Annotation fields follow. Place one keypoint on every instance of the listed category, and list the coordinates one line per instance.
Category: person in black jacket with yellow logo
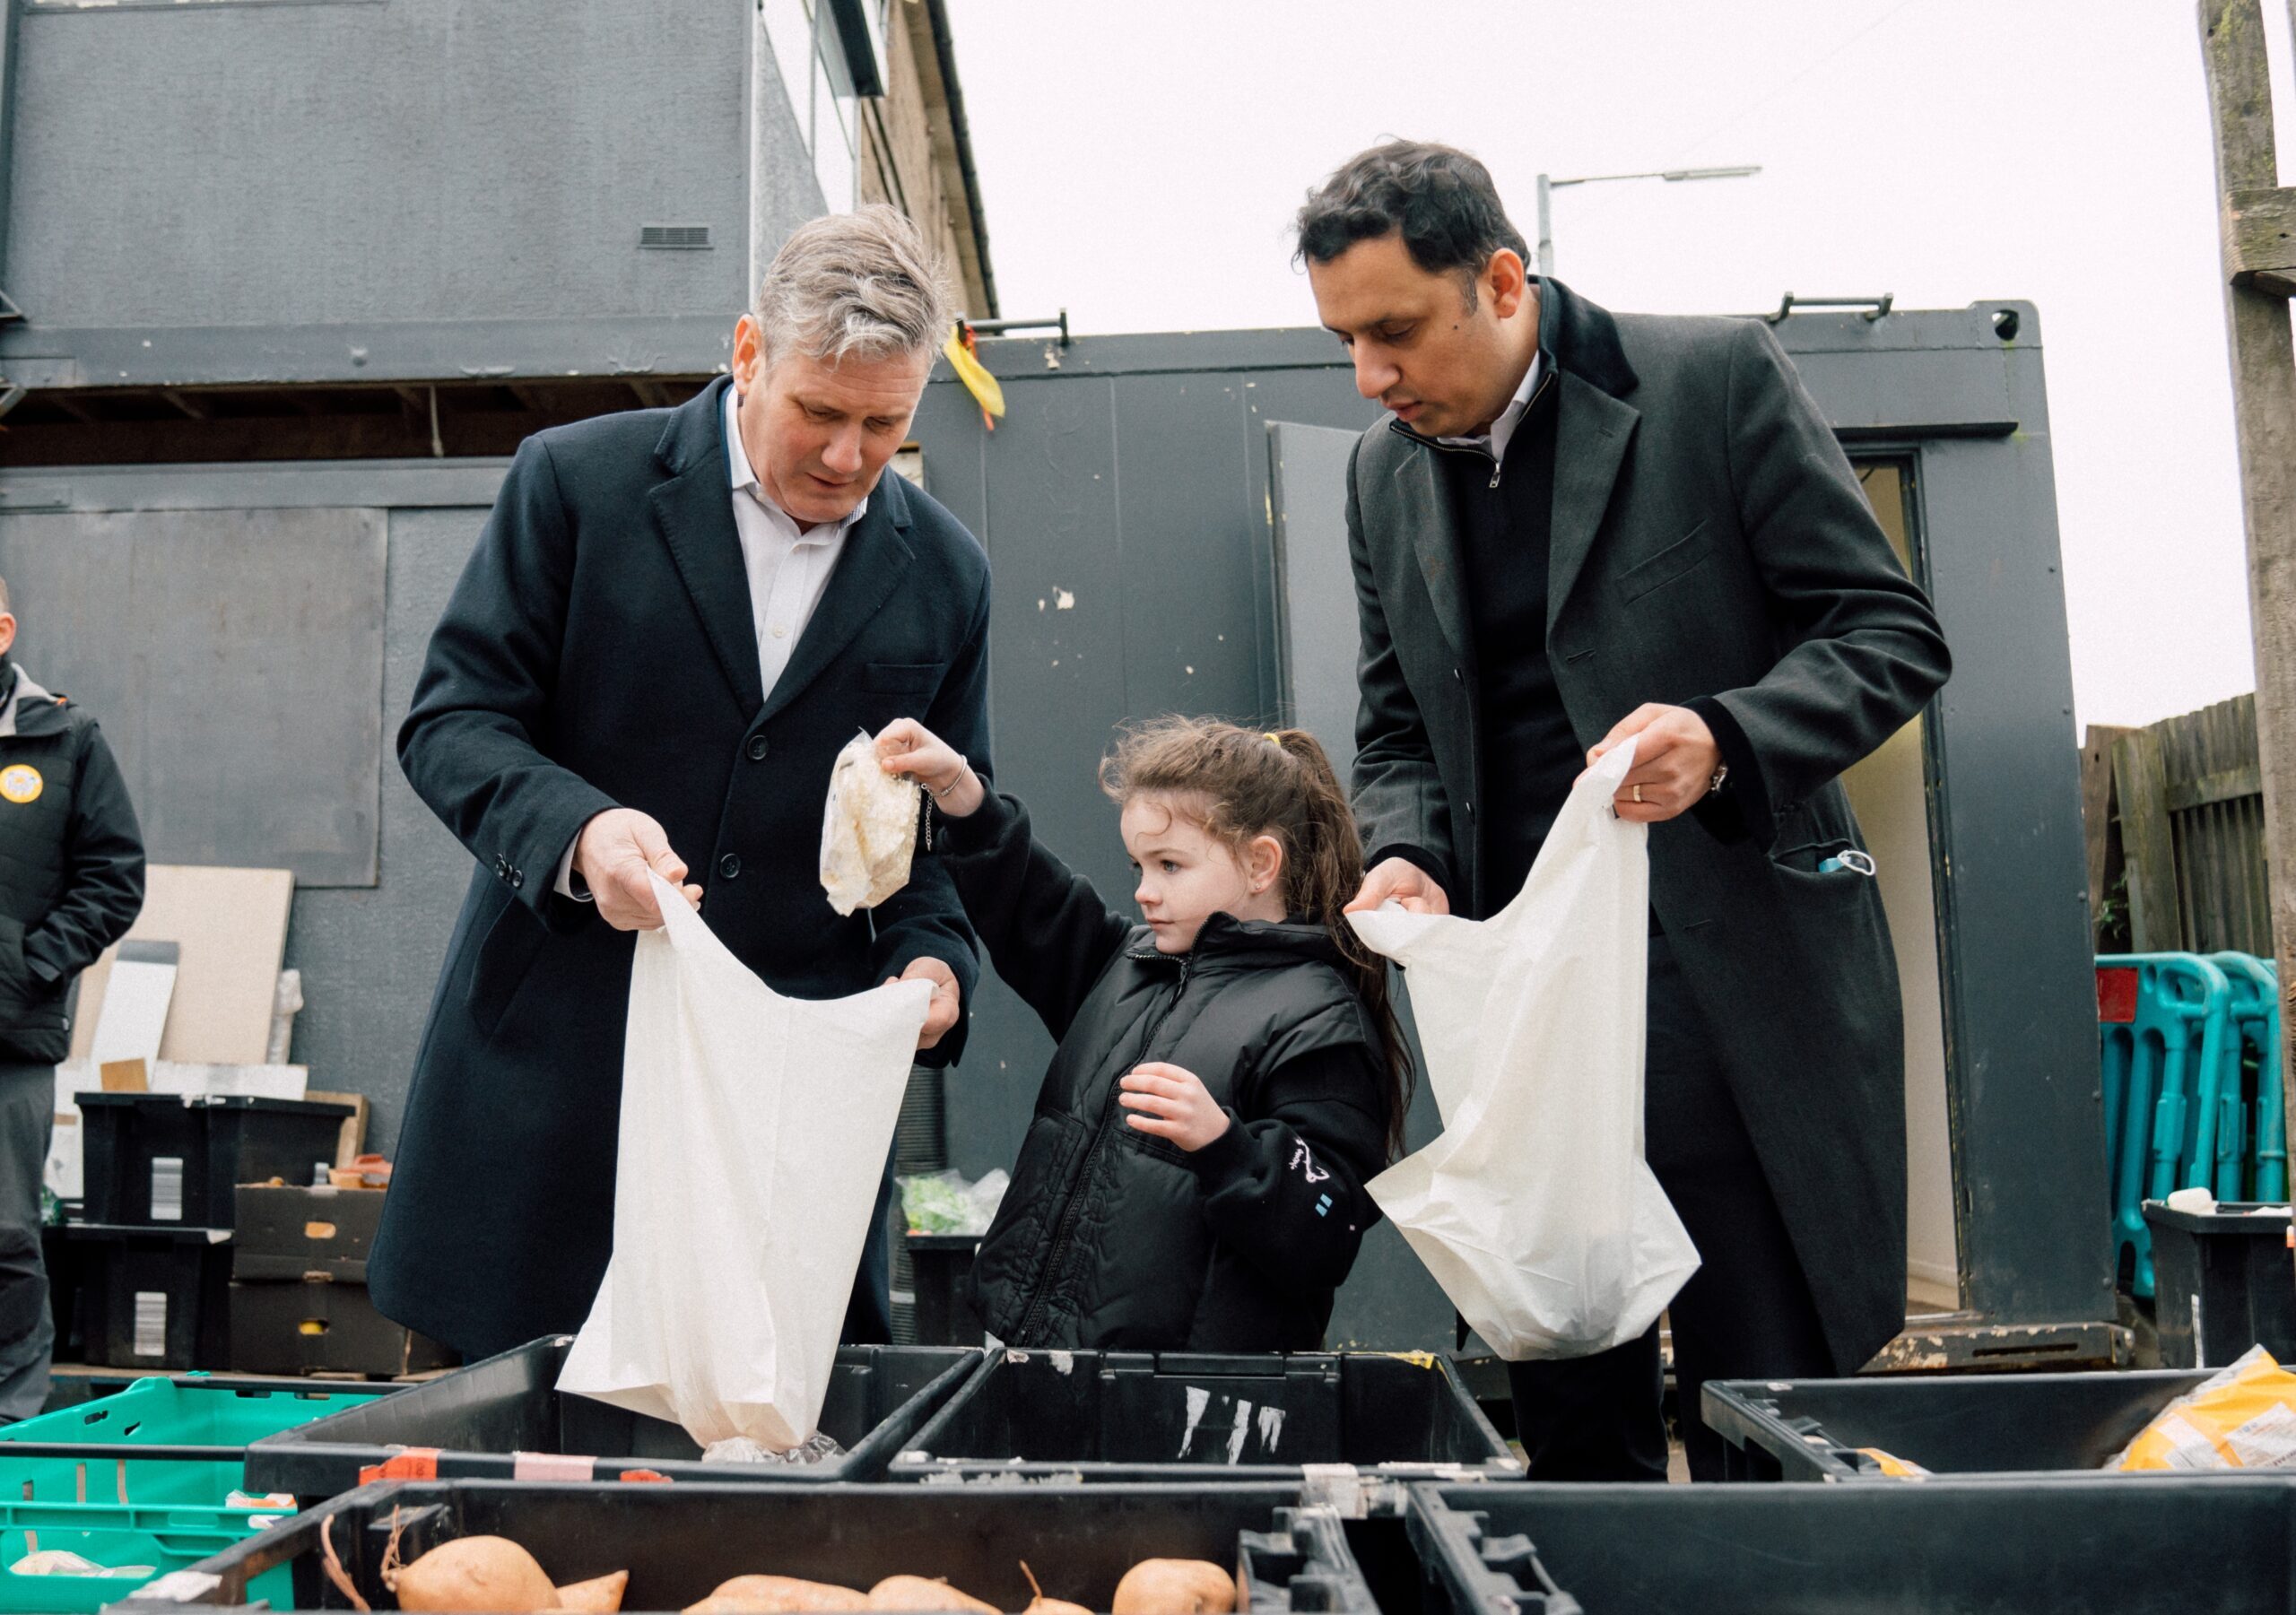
(70, 885)
(1229, 1075)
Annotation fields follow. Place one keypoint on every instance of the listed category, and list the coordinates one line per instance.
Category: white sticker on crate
(167, 1188)
(150, 1323)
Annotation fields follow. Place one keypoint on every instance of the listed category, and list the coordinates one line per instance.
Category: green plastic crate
(164, 1539)
(180, 1411)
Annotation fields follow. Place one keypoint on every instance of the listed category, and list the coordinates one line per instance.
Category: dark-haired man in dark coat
(673, 622)
(1574, 528)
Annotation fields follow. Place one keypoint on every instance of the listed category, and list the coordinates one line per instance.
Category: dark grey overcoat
(1710, 539)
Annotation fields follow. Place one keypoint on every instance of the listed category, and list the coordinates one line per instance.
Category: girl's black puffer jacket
(1112, 1238)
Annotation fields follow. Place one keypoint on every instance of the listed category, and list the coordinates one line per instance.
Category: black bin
(941, 1270)
(2195, 1545)
(2028, 1425)
(678, 1542)
(152, 1298)
(172, 1159)
(504, 1419)
(1138, 1417)
(2222, 1282)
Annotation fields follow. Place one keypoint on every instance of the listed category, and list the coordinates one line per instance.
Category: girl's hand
(909, 747)
(1172, 1104)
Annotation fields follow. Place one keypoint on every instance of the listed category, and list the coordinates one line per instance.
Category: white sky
(1139, 165)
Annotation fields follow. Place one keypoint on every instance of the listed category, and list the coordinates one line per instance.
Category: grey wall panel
(1194, 548)
(266, 165)
(234, 660)
(371, 959)
(1315, 585)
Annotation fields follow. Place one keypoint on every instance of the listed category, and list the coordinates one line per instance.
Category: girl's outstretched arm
(1046, 929)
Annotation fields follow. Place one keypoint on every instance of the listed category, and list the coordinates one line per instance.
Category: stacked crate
(152, 1247)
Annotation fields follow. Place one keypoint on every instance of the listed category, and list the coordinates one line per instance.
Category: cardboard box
(290, 1233)
(312, 1327)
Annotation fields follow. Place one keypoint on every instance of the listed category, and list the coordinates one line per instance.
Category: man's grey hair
(863, 285)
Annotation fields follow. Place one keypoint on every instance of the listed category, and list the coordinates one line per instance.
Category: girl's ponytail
(1324, 878)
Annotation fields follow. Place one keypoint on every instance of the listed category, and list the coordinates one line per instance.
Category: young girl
(1229, 1072)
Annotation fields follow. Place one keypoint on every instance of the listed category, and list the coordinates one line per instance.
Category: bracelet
(943, 793)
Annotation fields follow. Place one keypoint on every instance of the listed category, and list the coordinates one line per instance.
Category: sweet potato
(914, 1593)
(777, 1595)
(1174, 1586)
(475, 1576)
(601, 1596)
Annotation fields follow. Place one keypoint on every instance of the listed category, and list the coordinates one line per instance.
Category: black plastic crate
(2222, 1282)
(177, 1158)
(2024, 1426)
(152, 1298)
(1138, 1417)
(941, 1279)
(504, 1418)
(2187, 1546)
(678, 1542)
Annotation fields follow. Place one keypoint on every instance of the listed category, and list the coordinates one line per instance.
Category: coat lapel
(1427, 516)
(876, 555)
(694, 509)
(1593, 431)
(1590, 439)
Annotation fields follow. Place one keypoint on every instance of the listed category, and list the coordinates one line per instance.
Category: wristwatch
(1715, 783)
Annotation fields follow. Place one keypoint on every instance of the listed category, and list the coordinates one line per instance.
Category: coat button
(729, 868)
(757, 748)
(517, 879)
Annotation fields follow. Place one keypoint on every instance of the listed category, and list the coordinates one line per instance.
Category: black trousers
(1746, 1314)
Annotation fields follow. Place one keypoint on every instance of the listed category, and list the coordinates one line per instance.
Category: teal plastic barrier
(2162, 1059)
(2252, 1133)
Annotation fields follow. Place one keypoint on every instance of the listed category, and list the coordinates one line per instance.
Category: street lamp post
(1548, 185)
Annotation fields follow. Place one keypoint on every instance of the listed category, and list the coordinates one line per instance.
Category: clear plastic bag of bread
(2244, 1418)
(868, 829)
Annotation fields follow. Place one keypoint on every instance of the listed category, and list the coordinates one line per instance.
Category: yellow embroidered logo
(21, 783)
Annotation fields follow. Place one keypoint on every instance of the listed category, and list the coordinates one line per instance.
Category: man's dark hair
(1438, 198)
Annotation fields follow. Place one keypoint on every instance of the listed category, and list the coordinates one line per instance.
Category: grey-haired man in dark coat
(1574, 528)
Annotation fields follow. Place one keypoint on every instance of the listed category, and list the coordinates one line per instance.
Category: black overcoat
(1709, 539)
(598, 652)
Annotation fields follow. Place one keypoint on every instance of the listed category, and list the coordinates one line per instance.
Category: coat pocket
(505, 956)
(1685, 554)
(903, 678)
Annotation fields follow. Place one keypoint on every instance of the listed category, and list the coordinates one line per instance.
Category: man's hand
(1675, 759)
(942, 1016)
(908, 747)
(613, 855)
(1406, 884)
(1172, 1104)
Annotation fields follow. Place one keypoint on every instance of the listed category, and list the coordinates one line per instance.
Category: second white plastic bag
(1535, 1209)
(754, 1131)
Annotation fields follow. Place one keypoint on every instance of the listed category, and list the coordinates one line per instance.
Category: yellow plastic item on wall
(978, 382)
(2244, 1418)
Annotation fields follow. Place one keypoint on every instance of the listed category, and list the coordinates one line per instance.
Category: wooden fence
(2174, 820)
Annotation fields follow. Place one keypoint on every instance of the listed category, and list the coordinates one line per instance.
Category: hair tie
(1275, 740)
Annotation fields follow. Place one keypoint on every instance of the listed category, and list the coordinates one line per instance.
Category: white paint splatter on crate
(1198, 1398)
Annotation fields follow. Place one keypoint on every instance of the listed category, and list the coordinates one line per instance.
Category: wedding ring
(1638, 793)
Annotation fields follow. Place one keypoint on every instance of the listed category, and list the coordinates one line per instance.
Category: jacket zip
(1537, 393)
(1065, 1223)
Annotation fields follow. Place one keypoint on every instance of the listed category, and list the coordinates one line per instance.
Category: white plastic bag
(869, 828)
(1535, 1209)
(754, 1130)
